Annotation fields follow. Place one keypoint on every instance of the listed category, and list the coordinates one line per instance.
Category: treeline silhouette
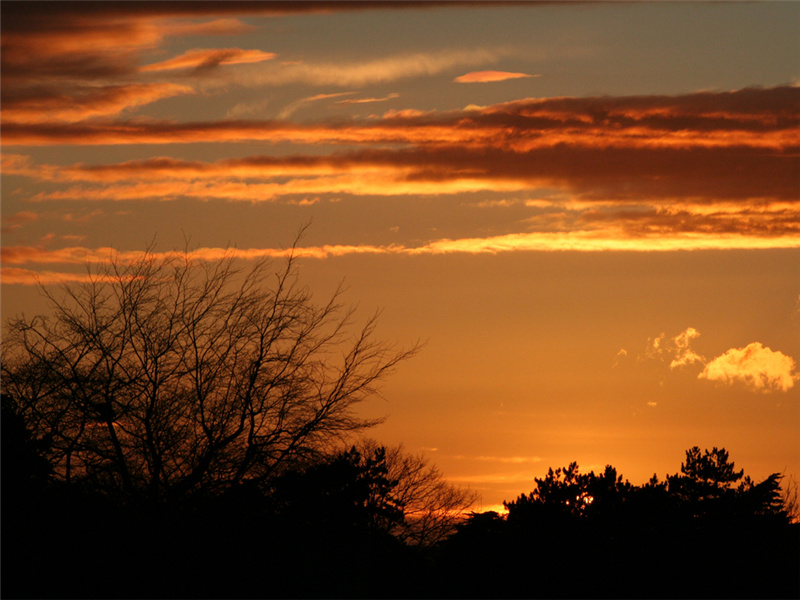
(331, 530)
(695, 535)
(181, 428)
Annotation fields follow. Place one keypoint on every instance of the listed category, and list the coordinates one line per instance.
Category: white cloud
(755, 366)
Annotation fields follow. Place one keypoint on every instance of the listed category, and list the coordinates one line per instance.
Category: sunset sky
(589, 212)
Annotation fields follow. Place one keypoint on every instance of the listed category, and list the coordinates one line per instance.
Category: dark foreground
(64, 545)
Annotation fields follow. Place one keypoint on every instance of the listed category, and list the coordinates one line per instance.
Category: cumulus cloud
(755, 366)
(487, 76)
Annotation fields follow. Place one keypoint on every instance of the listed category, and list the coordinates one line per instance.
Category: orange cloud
(16, 221)
(756, 189)
(755, 366)
(197, 59)
(752, 118)
(684, 355)
(576, 241)
(77, 103)
(361, 73)
(292, 107)
(487, 76)
(15, 276)
(602, 240)
(368, 100)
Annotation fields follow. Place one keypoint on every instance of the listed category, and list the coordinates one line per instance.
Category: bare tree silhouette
(169, 375)
(432, 507)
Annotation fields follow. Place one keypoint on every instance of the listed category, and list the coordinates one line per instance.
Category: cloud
(487, 76)
(67, 62)
(204, 59)
(292, 108)
(631, 150)
(536, 242)
(493, 149)
(684, 355)
(755, 366)
(368, 100)
(17, 220)
(601, 241)
(77, 103)
(360, 74)
(677, 349)
(620, 356)
(752, 117)
(16, 276)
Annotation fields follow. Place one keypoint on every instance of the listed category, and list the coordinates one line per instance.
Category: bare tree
(169, 375)
(431, 506)
(789, 499)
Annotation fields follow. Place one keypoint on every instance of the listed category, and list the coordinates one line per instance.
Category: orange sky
(589, 211)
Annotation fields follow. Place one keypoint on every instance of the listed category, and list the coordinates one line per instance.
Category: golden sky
(588, 210)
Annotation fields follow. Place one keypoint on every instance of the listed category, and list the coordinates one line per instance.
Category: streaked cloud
(488, 76)
(745, 121)
(362, 73)
(78, 103)
(18, 219)
(368, 100)
(204, 59)
(534, 242)
(756, 366)
(603, 240)
(291, 108)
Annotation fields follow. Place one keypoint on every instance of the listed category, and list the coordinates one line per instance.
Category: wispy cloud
(676, 349)
(756, 366)
(362, 73)
(684, 355)
(78, 103)
(538, 242)
(490, 76)
(751, 118)
(16, 276)
(205, 59)
(368, 100)
(292, 108)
